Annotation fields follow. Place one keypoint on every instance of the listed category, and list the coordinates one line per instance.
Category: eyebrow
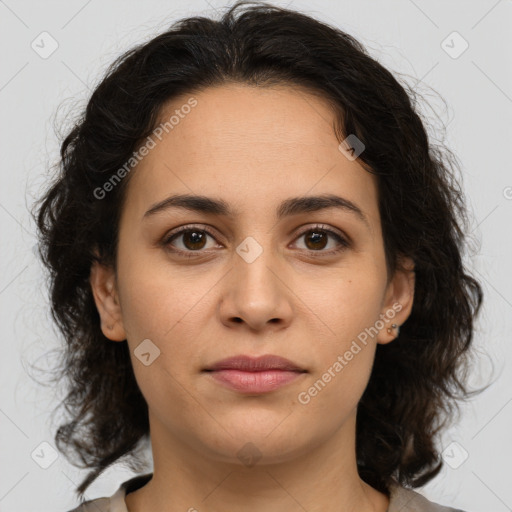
(291, 206)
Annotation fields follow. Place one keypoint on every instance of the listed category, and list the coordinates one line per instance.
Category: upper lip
(255, 364)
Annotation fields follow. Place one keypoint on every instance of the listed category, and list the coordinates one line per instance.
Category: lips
(255, 364)
(258, 375)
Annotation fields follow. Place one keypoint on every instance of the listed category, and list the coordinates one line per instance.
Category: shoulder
(116, 502)
(97, 505)
(403, 499)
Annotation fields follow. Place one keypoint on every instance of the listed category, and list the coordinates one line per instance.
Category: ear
(103, 283)
(398, 300)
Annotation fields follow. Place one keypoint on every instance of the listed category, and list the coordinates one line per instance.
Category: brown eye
(193, 240)
(188, 240)
(317, 239)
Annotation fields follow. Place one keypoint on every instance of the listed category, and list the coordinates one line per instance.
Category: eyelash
(344, 244)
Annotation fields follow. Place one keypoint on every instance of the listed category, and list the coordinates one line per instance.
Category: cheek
(155, 298)
(347, 306)
(341, 373)
(333, 395)
(171, 307)
(160, 320)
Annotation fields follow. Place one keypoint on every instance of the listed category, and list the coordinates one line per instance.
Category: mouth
(255, 364)
(258, 375)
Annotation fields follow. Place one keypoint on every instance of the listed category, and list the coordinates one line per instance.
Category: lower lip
(255, 382)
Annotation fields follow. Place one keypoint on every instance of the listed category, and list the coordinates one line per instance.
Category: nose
(256, 294)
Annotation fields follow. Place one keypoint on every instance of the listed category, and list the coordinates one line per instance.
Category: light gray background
(404, 35)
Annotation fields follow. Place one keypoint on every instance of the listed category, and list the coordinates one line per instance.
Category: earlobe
(103, 284)
(398, 301)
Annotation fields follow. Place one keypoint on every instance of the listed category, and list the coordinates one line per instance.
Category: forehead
(252, 146)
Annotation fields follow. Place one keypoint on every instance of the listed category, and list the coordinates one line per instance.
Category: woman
(255, 255)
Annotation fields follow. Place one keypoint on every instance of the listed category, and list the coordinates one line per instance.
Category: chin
(257, 443)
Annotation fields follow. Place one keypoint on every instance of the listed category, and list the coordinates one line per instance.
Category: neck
(321, 479)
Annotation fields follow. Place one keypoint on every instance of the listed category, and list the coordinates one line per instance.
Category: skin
(253, 147)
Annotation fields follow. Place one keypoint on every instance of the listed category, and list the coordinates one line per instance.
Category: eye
(192, 239)
(317, 239)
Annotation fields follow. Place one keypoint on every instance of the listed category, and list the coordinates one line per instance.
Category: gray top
(401, 499)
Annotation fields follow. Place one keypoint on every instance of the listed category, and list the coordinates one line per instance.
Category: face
(265, 270)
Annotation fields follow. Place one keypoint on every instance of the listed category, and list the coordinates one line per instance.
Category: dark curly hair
(415, 379)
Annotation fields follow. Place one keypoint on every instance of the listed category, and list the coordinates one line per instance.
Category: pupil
(195, 238)
(315, 237)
